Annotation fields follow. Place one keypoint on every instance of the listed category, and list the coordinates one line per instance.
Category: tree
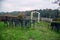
(20, 16)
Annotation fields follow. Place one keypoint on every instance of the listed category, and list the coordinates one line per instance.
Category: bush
(20, 16)
(56, 19)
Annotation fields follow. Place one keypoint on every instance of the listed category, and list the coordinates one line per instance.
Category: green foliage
(49, 13)
(20, 16)
(40, 31)
(57, 20)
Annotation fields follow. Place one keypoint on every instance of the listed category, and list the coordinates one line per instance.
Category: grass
(40, 31)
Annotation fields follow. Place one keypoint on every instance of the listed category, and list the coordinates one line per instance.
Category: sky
(24, 5)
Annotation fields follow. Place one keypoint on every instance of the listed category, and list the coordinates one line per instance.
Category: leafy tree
(20, 16)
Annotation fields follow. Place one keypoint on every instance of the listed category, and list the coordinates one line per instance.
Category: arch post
(38, 17)
(32, 15)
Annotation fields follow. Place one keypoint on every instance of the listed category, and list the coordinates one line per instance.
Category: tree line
(48, 13)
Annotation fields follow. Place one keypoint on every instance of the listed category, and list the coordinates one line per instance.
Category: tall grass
(40, 31)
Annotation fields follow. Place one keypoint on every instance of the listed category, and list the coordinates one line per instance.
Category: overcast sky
(23, 5)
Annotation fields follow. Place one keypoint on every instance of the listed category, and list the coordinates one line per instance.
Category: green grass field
(40, 31)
